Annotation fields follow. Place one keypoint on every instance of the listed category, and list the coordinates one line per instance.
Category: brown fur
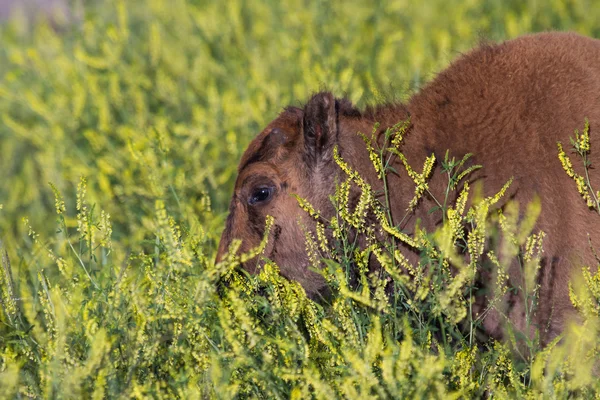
(507, 103)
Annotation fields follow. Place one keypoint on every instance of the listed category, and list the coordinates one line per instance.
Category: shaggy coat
(508, 104)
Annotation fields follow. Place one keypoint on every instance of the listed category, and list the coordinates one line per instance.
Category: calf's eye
(260, 195)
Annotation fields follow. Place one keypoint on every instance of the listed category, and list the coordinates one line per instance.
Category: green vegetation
(119, 140)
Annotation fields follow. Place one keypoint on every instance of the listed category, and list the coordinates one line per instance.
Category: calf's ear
(319, 126)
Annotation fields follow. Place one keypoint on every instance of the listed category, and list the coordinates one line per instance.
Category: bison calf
(508, 104)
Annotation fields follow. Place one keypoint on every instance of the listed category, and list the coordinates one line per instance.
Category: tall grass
(119, 138)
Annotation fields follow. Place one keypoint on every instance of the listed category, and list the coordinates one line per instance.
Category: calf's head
(292, 156)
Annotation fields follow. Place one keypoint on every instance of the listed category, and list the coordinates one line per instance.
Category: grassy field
(119, 139)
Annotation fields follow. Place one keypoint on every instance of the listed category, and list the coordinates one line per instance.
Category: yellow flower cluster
(7, 294)
(419, 179)
(373, 156)
(582, 186)
(581, 145)
(584, 292)
(456, 215)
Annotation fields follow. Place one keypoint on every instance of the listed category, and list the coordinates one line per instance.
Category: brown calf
(507, 103)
